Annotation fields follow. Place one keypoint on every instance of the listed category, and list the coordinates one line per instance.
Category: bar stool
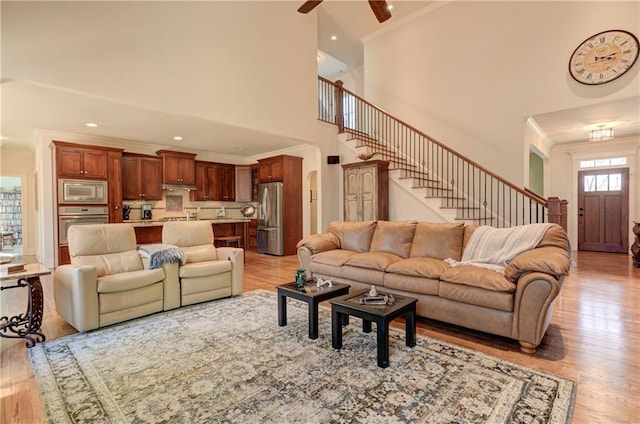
(229, 240)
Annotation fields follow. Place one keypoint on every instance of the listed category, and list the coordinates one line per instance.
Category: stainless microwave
(82, 191)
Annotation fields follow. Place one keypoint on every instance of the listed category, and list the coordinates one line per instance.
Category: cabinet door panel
(151, 178)
(131, 178)
(69, 161)
(187, 171)
(172, 170)
(95, 164)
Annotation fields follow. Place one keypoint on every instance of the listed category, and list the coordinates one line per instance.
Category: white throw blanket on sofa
(494, 248)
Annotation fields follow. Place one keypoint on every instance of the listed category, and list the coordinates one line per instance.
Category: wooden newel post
(339, 106)
(557, 211)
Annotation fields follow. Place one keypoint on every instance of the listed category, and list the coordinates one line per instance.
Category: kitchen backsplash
(178, 205)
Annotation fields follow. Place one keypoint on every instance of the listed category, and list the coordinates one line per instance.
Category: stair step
(466, 208)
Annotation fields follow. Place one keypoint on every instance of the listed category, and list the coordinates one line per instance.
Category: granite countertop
(147, 223)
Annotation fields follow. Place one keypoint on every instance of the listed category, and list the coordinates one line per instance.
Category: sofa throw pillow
(354, 236)
(438, 240)
(393, 237)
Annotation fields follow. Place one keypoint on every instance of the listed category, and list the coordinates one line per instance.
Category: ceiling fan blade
(308, 6)
(380, 9)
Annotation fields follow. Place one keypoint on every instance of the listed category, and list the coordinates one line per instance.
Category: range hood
(178, 187)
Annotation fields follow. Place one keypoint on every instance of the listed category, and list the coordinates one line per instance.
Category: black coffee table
(312, 295)
(382, 315)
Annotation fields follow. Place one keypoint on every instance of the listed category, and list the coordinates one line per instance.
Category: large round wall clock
(604, 57)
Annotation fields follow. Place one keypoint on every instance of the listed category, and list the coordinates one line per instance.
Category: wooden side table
(345, 306)
(26, 325)
(312, 295)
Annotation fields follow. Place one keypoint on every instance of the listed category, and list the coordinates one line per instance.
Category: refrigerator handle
(264, 205)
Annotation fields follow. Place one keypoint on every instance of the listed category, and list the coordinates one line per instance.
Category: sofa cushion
(502, 301)
(393, 237)
(476, 276)
(99, 239)
(325, 270)
(337, 257)
(373, 260)
(419, 267)
(202, 253)
(129, 280)
(354, 236)
(187, 233)
(205, 268)
(550, 260)
(364, 275)
(438, 240)
(411, 284)
(111, 263)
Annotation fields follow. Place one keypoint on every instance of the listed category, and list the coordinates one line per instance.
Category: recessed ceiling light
(334, 37)
(177, 138)
(91, 125)
(390, 7)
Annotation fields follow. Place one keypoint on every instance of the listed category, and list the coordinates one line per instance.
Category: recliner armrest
(75, 291)
(236, 256)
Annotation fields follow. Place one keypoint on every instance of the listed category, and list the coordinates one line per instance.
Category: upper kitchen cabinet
(243, 183)
(178, 167)
(214, 181)
(205, 182)
(271, 169)
(227, 178)
(80, 161)
(141, 177)
(276, 168)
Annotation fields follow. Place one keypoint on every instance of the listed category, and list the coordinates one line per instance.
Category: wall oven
(82, 192)
(79, 215)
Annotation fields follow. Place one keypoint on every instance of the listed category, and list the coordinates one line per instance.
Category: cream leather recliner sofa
(106, 282)
(209, 272)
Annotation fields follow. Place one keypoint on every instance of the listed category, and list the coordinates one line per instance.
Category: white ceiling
(28, 105)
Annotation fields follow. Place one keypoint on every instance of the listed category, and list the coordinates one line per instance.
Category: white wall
(20, 163)
(257, 55)
(564, 175)
(470, 73)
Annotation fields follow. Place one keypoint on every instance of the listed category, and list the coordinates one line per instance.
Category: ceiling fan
(379, 7)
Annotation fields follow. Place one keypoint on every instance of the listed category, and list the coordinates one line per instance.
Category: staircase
(455, 186)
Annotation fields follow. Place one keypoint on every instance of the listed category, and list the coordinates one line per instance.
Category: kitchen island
(148, 232)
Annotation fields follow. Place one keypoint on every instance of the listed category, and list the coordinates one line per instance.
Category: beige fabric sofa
(408, 258)
(209, 272)
(106, 282)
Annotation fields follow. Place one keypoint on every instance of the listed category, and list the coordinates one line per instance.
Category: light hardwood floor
(594, 338)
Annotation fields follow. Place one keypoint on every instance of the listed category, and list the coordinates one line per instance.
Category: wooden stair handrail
(338, 86)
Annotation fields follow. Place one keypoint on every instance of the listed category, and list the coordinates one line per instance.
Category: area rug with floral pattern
(228, 361)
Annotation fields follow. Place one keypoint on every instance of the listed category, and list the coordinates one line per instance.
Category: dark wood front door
(603, 210)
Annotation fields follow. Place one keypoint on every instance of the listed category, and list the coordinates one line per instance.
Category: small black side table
(26, 325)
(382, 315)
(312, 295)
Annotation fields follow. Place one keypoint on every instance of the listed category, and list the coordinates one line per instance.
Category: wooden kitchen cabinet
(366, 191)
(227, 182)
(141, 177)
(243, 183)
(271, 169)
(253, 235)
(81, 161)
(214, 181)
(178, 167)
(205, 182)
(114, 186)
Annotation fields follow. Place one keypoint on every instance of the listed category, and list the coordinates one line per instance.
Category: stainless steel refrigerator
(270, 219)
